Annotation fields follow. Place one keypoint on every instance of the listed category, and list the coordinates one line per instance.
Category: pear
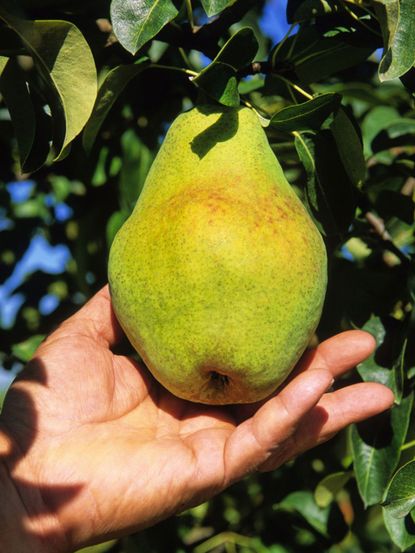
(218, 276)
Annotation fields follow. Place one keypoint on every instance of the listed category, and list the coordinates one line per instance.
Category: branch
(378, 226)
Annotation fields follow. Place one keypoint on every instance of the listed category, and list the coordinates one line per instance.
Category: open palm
(98, 449)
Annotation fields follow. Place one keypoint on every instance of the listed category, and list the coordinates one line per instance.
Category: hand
(96, 448)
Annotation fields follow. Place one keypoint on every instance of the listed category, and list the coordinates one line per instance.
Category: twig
(378, 225)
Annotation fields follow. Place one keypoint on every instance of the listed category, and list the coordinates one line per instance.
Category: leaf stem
(190, 13)
(173, 68)
(408, 445)
(295, 86)
(185, 57)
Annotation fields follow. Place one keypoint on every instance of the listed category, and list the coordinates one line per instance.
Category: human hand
(97, 448)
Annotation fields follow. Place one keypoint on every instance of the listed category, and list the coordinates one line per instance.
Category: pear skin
(218, 277)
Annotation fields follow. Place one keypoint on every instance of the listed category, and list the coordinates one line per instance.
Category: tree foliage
(88, 89)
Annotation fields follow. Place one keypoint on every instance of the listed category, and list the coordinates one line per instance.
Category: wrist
(23, 520)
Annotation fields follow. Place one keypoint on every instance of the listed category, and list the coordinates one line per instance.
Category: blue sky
(40, 255)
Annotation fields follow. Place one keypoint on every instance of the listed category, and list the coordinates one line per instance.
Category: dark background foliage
(335, 95)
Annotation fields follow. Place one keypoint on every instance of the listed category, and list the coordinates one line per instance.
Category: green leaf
(375, 122)
(100, 548)
(65, 62)
(399, 51)
(136, 23)
(115, 222)
(329, 487)
(329, 193)
(325, 521)
(15, 92)
(371, 370)
(213, 7)
(308, 115)
(314, 57)
(219, 79)
(401, 530)
(376, 447)
(3, 63)
(400, 127)
(400, 496)
(219, 82)
(349, 147)
(240, 49)
(24, 350)
(136, 163)
(114, 83)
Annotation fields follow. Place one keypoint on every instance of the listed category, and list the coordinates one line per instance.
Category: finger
(334, 412)
(339, 353)
(95, 319)
(255, 439)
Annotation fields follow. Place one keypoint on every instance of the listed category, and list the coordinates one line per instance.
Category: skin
(92, 447)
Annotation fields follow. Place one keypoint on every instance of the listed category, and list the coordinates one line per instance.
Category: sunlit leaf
(399, 52)
(213, 7)
(135, 23)
(64, 60)
(308, 115)
(376, 446)
(328, 488)
(400, 496)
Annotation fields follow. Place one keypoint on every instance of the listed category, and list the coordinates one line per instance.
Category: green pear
(218, 277)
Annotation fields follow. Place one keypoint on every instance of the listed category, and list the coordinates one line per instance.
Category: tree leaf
(330, 195)
(375, 121)
(219, 82)
(3, 63)
(328, 488)
(399, 50)
(136, 163)
(213, 7)
(308, 115)
(114, 83)
(240, 49)
(321, 519)
(24, 350)
(65, 62)
(349, 147)
(219, 79)
(376, 447)
(400, 496)
(314, 57)
(401, 530)
(16, 95)
(137, 22)
(371, 370)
